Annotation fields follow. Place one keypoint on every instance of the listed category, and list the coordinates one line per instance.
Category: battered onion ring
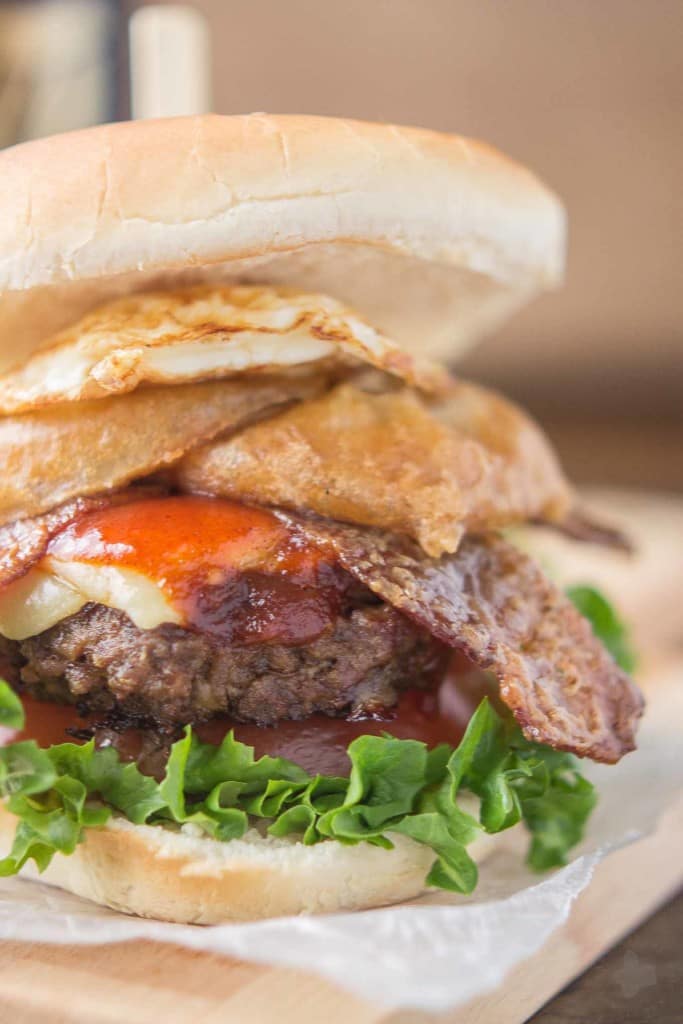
(82, 448)
(432, 470)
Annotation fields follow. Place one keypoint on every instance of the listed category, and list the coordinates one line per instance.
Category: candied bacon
(494, 604)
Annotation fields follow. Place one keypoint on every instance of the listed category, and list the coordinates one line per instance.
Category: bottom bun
(187, 877)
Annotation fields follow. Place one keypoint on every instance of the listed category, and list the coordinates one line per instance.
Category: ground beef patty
(100, 659)
(10, 660)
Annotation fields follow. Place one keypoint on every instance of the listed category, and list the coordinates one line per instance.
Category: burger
(267, 645)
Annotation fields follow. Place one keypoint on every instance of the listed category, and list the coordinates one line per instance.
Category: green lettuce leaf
(11, 708)
(606, 624)
(395, 787)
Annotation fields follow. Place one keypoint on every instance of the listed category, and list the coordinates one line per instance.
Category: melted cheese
(154, 559)
(34, 603)
(57, 589)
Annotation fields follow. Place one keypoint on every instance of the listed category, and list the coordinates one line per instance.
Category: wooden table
(641, 980)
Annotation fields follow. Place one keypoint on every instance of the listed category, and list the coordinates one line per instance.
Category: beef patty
(101, 661)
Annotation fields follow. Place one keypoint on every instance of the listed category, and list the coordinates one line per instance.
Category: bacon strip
(495, 605)
(581, 526)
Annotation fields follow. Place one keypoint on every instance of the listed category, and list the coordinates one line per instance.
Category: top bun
(432, 237)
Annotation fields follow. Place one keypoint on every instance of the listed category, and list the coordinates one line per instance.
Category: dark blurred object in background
(60, 66)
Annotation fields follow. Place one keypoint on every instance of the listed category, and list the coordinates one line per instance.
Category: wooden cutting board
(145, 983)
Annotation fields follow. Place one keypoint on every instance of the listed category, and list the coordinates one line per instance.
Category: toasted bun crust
(173, 876)
(435, 238)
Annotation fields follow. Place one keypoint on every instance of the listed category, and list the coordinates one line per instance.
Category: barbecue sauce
(230, 570)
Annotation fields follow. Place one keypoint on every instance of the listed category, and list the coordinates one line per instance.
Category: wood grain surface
(641, 979)
(145, 983)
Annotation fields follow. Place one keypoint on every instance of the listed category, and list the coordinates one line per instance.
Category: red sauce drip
(230, 570)
(317, 743)
(46, 723)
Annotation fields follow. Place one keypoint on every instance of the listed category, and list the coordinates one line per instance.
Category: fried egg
(200, 333)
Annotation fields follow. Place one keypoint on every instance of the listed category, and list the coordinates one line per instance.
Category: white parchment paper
(431, 954)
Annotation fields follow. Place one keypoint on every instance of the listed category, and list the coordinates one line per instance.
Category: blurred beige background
(587, 92)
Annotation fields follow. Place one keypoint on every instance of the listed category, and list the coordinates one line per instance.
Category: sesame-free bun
(433, 238)
(153, 872)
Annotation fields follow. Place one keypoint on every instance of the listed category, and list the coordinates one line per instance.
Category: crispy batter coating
(432, 470)
(76, 449)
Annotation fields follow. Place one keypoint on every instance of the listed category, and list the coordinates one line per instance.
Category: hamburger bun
(189, 878)
(434, 238)
(430, 239)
